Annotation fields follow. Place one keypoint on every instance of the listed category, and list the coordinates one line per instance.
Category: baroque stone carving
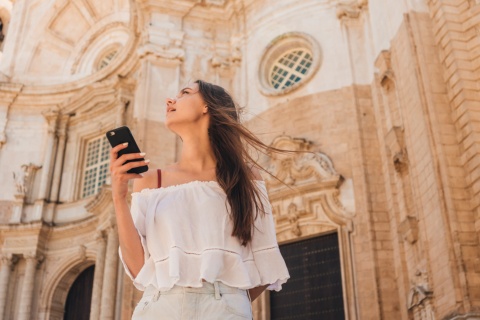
(420, 291)
(24, 178)
(305, 197)
(300, 168)
(293, 218)
(350, 8)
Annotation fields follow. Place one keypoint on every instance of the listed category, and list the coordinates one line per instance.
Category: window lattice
(107, 59)
(96, 165)
(292, 67)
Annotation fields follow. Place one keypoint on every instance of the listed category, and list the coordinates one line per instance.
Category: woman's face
(186, 109)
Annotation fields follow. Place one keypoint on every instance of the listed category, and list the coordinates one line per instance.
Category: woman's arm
(130, 243)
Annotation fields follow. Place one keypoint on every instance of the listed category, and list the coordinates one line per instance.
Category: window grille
(97, 160)
(314, 290)
(290, 68)
(106, 59)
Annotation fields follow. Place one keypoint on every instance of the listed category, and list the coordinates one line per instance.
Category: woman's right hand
(118, 170)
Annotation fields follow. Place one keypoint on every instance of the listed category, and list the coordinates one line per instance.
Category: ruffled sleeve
(266, 253)
(138, 210)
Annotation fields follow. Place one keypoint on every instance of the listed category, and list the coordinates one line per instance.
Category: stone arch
(56, 289)
(309, 204)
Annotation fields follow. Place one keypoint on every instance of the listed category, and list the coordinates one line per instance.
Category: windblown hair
(230, 141)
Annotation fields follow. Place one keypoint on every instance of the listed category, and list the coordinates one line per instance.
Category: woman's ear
(205, 109)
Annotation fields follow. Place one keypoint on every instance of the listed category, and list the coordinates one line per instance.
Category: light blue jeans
(214, 301)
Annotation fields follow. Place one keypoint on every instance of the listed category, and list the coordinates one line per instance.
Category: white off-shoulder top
(185, 232)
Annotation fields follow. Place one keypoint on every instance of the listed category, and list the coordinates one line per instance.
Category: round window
(288, 62)
(106, 59)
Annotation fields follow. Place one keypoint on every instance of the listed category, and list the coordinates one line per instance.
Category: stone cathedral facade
(384, 93)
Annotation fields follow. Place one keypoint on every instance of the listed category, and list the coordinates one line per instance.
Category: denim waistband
(208, 288)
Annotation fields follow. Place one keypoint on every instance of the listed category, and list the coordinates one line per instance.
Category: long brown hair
(230, 140)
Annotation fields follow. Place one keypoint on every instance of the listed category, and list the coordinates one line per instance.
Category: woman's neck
(197, 154)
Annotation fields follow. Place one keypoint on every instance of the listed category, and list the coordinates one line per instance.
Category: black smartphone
(122, 135)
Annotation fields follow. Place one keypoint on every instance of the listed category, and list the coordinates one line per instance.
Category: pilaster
(110, 275)
(28, 286)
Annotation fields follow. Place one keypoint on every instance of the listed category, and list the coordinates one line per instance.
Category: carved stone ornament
(24, 178)
(300, 168)
(305, 198)
(420, 289)
(350, 8)
(293, 218)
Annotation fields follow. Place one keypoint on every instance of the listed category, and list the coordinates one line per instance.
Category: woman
(200, 238)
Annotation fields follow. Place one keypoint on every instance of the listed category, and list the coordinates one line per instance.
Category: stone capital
(52, 117)
(35, 258)
(350, 9)
(9, 259)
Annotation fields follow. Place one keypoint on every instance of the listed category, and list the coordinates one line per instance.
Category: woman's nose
(170, 101)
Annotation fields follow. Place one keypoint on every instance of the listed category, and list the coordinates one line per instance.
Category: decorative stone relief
(293, 216)
(350, 9)
(162, 43)
(419, 297)
(305, 198)
(24, 178)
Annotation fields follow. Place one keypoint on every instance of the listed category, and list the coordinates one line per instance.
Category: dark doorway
(314, 290)
(79, 297)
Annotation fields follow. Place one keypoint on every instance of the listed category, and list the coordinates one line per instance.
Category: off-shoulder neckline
(192, 183)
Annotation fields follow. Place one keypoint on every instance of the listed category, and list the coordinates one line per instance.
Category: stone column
(110, 275)
(98, 276)
(8, 261)
(52, 118)
(57, 174)
(45, 179)
(28, 287)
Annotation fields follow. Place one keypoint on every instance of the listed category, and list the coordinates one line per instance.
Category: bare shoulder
(256, 173)
(149, 180)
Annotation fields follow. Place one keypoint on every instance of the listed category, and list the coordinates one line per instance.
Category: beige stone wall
(392, 116)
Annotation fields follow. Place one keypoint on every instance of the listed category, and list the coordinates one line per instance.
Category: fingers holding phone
(119, 167)
(126, 160)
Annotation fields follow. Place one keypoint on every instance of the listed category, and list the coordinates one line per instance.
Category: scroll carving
(305, 198)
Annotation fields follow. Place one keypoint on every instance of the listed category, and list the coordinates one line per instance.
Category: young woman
(200, 238)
